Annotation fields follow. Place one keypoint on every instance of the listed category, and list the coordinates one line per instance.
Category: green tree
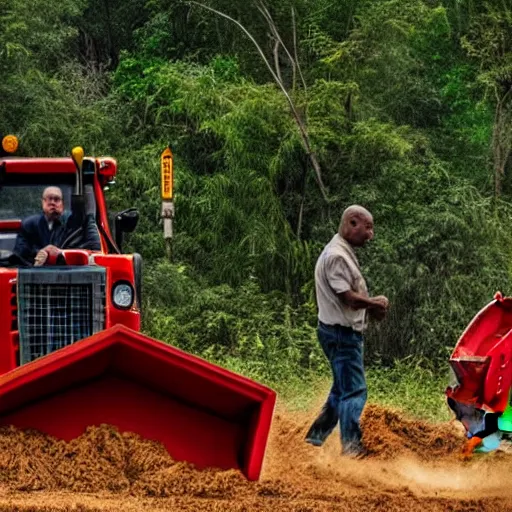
(488, 42)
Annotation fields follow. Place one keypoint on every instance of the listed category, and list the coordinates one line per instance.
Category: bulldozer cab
(20, 200)
(77, 294)
(22, 181)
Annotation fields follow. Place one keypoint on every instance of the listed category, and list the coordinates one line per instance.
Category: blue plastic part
(489, 443)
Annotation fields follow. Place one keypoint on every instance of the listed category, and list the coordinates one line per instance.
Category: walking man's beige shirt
(337, 270)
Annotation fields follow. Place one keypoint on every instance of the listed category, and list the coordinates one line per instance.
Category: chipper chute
(200, 412)
(482, 366)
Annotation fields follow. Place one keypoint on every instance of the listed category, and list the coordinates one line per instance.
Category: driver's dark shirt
(35, 234)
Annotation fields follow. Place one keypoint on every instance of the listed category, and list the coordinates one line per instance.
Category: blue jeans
(344, 350)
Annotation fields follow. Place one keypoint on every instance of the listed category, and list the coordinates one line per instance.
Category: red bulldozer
(71, 354)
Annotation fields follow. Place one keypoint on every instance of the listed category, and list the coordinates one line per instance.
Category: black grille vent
(58, 306)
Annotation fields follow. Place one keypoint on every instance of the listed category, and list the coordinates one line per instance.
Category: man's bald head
(357, 211)
(356, 225)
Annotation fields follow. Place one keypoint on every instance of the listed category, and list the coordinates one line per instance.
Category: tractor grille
(57, 307)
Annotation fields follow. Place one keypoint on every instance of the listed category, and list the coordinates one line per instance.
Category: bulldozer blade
(200, 412)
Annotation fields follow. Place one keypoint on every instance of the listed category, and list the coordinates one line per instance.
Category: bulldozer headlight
(122, 295)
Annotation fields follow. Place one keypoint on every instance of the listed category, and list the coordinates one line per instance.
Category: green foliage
(272, 339)
(57, 113)
(107, 28)
(412, 386)
(394, 52)
(49, 100)
(233, 139)
(440, 255)
(36, 34)
(489, 43)
(465, 135)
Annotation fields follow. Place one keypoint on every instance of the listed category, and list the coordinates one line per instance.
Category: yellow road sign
(166, 167)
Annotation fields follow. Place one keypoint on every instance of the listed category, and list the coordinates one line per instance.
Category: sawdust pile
(388, 433)
(411, 465)
(102, 459)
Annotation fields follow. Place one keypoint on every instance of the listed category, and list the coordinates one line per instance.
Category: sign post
(166, 168)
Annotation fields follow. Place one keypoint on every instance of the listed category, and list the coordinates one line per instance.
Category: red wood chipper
(70, 351)
(482, 366)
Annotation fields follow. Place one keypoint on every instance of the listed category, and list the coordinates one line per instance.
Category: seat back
(7, 241)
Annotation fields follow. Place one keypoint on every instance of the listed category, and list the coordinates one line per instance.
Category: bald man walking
(343, 310)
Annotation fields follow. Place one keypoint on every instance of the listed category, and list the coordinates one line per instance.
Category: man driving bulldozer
(42, 235)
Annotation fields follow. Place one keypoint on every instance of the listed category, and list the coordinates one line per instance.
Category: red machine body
(482, 358)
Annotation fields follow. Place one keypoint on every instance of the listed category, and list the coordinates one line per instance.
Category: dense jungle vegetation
(281, 114)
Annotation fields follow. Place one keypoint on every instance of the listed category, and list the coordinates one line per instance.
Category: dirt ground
(411, 466)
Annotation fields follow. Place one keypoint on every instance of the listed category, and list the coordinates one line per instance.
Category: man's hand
(45, 253)
(40, 258)
(379, 308)
(381, 301)
(50, 249)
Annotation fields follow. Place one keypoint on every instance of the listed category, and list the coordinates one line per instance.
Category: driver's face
(52, 202)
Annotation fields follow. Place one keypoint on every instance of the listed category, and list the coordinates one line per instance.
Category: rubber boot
(322, 426)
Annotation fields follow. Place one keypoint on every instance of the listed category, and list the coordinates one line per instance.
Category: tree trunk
(112, 50)
(302, 198)
(501, 140)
